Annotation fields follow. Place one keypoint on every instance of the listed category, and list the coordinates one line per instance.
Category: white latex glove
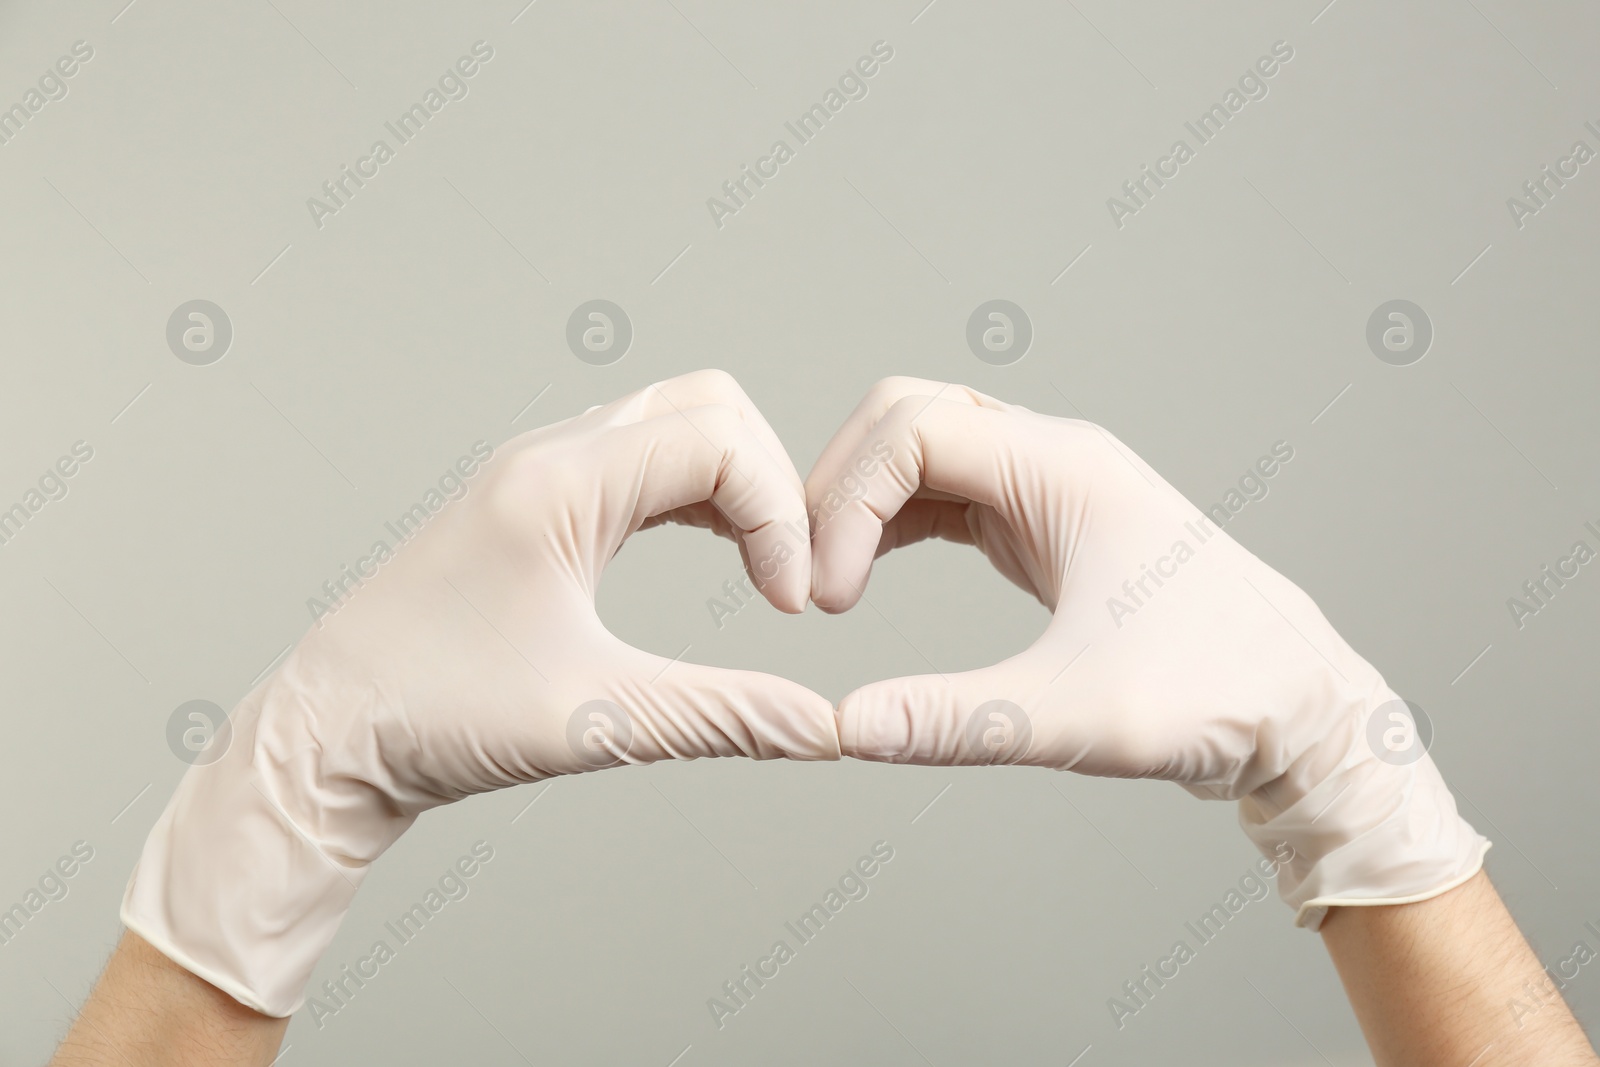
(469, 663)
(1221, 676)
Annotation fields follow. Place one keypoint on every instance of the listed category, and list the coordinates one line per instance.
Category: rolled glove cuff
(1370, 833)
(231, 889)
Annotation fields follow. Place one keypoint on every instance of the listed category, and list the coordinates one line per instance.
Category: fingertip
(872, 727)
(778, 560)
(786, 600)
(790, 592)
(831, 591)
(833, 750)
(814, 737)
(847, 719)
(842, 554)
(832, 601)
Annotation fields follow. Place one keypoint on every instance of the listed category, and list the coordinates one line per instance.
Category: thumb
(972, 718)
(687, 711)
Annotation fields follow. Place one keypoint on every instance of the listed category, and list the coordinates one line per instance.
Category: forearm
(1439, 983)
(147, 1011)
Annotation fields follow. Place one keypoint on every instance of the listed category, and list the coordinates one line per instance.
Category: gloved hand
(472, 662)
(1172, 653)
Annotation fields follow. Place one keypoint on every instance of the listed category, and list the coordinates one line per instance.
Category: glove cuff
(231, 888)
(1314, 911)
(1371, 832)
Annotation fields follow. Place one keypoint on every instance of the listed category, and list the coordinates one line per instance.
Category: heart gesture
(476, 661)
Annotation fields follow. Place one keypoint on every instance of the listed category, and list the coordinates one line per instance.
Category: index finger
(960, 449)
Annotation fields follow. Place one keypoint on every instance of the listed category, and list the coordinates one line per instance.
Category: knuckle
(1086, 438)
(715, 383)
(719, 421)
(885, 391)
(718, 377)
(902, 411)
(526, 477)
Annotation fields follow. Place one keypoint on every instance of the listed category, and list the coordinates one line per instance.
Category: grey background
(367, 355)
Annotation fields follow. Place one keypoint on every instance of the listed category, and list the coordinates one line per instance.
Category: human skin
(1431, 983)
(474, 660)
(147, 1011)
(1229, 682)
(1443, 982)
